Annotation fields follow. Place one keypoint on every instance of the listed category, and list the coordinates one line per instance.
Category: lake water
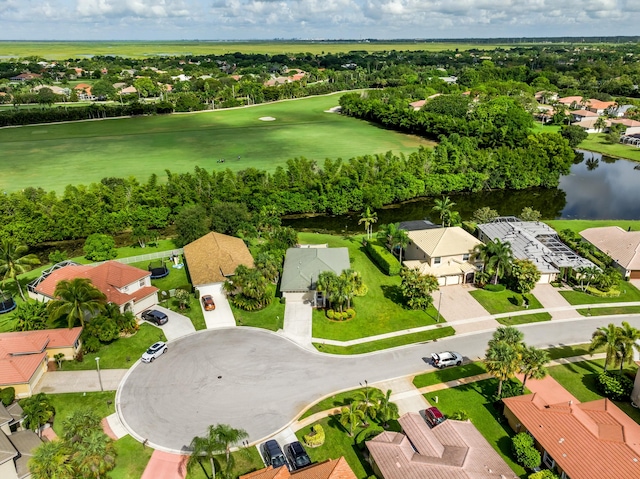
(596, 188)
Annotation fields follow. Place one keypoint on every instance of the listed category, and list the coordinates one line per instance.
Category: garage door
(635, 275)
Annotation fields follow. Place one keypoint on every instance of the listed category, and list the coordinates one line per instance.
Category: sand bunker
(335, 109)
(266, 118)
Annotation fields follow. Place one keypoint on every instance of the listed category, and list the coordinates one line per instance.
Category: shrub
(494, 288)
(351, 313)
(331, 314)
(315, 438)
(90, 344)
(7, 395)
(525, 452)
(614, 292)
(615, 386)
(460, 415)
(544, 474)
(388, 263)
(99, 247)
(58, 256)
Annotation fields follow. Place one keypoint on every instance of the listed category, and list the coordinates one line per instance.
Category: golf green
(55, 155)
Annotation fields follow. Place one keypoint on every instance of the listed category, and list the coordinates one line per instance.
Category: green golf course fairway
(56, 155)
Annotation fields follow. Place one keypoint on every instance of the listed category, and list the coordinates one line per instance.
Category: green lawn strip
(628, 293)
(245, 461)
(336, 401)
(597, 142)
(449, 374)
(506, 301)
(580, 380)
(380, 311)
(609, 310)
(271, 317)
(539, 128)
(524, 319)
(141, 146)
(475, 400)
(393, 342)
(581, 225)
(131, 459)
(558, 352)
(102, 403)
(121, 353)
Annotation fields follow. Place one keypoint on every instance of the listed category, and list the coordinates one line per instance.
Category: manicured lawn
(610, 310)
(102, 403)
(570, 351)
(581, 225)
(121, 353)
(335, 401)
(597, 142)
(394, 342)
(580, 380)
(380, 310)
(449, 374)
(506, 301)
(131, 460)
(271, 317)
(540, 128)
(475, 400)
(524, 319)
(245, 461)
(85, 152)
(628, 292)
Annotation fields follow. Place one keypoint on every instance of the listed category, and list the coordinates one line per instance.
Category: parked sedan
(446, 358)
(156, 350)
(298, 457)
(207, 303)
(155, 316)
(433, 416)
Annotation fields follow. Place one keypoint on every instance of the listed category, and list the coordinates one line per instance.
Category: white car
(156, 349)
(446, 358)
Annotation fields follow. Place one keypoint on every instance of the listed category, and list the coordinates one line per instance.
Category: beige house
(450, 450)
(446, 253)
(622, 246)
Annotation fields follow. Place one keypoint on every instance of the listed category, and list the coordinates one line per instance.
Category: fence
(150, 256)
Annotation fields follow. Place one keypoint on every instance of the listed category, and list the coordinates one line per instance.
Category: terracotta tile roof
(568, 100)
(626, 122)
(599, 105)
(623, 246)
(214, 257)
(594, 439)
(20, 369)
(108, 277)
(330, 469)
(585, 113)
(451, 450)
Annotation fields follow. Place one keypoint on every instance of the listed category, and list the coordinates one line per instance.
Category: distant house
(622, 246)
(579, 115)
(446, 253)
(329, 469)
(55, 89)
(578, 440)
(303, 265)
(632, 127)
(83, 90)
(417, 105)
(214, 257)
(598, 106)
(16, 443)
(25, 77)
(571, 101)
(450, 450)
(619, 111)
(24, 356)
(129, 90)
(127, 287)
(535, 241)
(545, 96)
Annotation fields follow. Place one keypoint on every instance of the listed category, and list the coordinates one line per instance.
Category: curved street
(259, 381)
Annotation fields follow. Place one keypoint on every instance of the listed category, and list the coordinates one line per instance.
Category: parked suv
(298, 457)
(433, 416)
(273, 455)
(155, 316)
(446, 358)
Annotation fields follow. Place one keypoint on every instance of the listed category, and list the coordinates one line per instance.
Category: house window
(437, 260)
(141, 284)
(564, 475)
(465, 257)
(548, 460)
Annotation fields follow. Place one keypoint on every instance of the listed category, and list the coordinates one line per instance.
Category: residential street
(259, 381)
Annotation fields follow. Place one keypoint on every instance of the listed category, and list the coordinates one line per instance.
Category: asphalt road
(259, 381)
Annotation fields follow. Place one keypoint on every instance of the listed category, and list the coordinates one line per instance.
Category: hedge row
(382, 257)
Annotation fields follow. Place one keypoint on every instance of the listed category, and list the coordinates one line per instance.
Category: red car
(433, 416)
(207, 303)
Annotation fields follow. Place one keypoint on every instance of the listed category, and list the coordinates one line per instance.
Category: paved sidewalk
(550, 298)
(403, 393)
(164, 465)
(113, 427)
(57, 382)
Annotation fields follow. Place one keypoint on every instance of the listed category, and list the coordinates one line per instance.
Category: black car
(298, 457)
(155, 316)
(273, 455)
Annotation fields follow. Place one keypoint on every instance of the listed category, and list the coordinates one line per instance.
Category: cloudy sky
(312, 19)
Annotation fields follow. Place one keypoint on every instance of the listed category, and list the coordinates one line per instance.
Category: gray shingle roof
(303, 265)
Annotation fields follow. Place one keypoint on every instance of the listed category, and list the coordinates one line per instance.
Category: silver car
(446, 358)
(156, 349)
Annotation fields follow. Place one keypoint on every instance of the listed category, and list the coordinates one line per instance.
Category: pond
(597, 187)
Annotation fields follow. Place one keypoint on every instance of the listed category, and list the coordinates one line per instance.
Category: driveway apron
(222, 316)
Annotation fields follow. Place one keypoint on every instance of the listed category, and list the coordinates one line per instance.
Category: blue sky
(312, 19)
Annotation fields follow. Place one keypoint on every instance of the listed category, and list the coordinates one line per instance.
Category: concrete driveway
(222, 316)
(57, 382)
(177, 326)
(260, 381)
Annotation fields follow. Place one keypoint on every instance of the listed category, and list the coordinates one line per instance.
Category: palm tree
(14, 261)
(326, 284)
(368, 217)
(533, 364)
(600, 123)
(388, 233)
(205, 447)
(507, 334)
(401, 239)
(444, 208)
(351, 416)
(496, 256)
(229, 437)
(387, 410)
(502, 361)
(609, 338)
(587, 274)
(76, 299)
(80, 424)
(50, 460)
(627, 343)
(37, 410)
(368, 400)
(94, 456)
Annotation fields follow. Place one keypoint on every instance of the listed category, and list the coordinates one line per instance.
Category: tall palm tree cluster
(368, 403)
(497, 258)
(340, 289)
(619, 343)
(369, 218)
(507, 355)
(14, 261)
(248, 289)
(83, 451)
(394, 237)
(218, 441)
(444, 209)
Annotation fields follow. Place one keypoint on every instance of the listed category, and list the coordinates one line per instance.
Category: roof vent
(561, 440)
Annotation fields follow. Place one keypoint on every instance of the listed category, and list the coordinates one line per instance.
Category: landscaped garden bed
(506, 301)
(628, 293)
